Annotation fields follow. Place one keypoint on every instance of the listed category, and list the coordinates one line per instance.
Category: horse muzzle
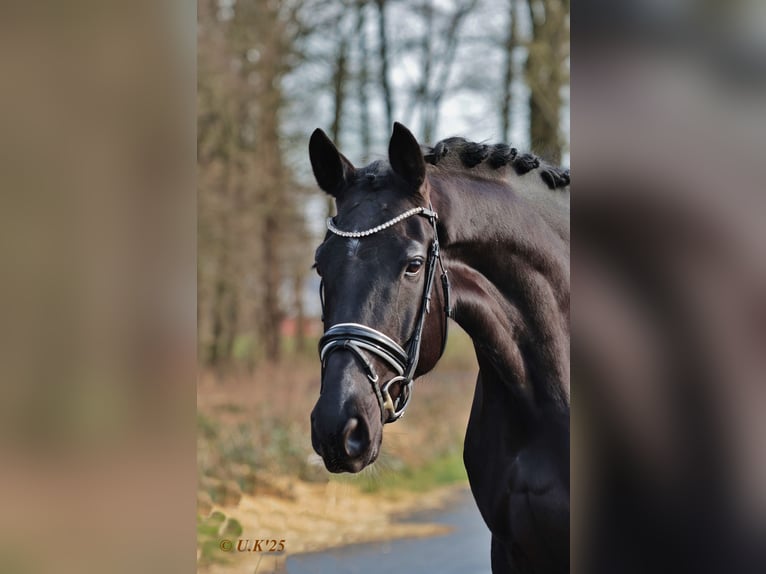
(347, 449)
(346, 430)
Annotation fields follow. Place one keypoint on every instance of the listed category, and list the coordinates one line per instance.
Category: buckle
(429, 213)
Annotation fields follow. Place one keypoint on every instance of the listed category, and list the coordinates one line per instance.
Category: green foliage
(459, 354)
(440, 471)
(285, 446)
(269, 444)
(206, 428)
(232, 528)
(210, 531)
(309, 350)
(241, 446)
(230, 408)
(244, 347)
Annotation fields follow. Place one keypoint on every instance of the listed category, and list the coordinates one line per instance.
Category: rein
(361, 339)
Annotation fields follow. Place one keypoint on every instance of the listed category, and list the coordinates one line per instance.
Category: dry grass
(262, 419)
(314, 517)
(254, 446)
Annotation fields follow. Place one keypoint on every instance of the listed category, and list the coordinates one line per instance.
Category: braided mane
(459, 154)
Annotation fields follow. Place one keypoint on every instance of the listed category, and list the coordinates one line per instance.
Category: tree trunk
(545, 75)
(232, 315)
(363, 80)
(339, 92)
(271, 315)
(424, 90)
(216, 331)
(224, 324)
(383, 49)
(511, 44)
(274, 206)
(300, 312)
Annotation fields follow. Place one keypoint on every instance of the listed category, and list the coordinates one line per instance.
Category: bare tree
(546, 73)
(339, 80)
(385, 82)
(340, 76)
(245, 198)
(438, 48)
(252, 128)
(217, 229)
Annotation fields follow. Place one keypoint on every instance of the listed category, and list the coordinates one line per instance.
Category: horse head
(377, 265)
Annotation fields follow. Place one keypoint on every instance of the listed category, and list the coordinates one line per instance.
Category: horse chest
(520, 485)
(489, 451)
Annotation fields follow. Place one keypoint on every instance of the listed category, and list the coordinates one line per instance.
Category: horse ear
(406, 157)
(331, 169)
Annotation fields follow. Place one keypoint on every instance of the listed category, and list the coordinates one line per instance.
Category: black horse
(493, 224)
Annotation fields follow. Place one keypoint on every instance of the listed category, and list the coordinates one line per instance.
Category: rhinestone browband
(382, 226)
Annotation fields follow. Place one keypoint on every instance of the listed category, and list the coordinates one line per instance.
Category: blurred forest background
(271, 71)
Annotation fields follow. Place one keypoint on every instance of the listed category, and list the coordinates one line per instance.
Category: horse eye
(413, 267)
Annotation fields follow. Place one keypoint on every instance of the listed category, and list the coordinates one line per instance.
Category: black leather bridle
(362, 340)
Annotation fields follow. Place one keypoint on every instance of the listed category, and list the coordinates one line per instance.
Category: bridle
(361, 339)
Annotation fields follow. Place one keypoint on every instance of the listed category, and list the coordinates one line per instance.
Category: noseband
(361, 339)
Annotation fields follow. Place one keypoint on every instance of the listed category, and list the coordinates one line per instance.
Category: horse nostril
(354, 438)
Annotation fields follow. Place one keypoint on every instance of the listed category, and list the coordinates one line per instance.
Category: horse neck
(507, 250)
